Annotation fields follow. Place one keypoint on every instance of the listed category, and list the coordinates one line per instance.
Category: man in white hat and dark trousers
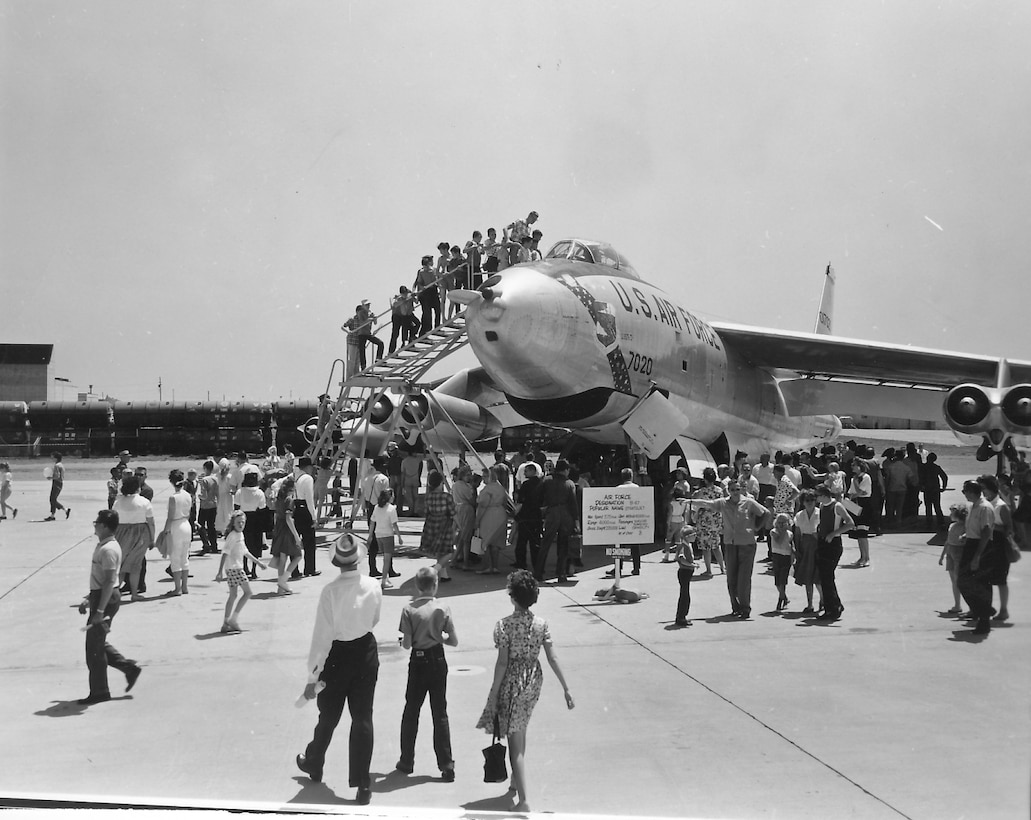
(345, 659)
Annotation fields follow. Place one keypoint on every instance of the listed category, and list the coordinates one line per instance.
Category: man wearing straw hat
(345, 659)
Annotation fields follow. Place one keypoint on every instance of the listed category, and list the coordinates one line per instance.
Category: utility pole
(159, 388)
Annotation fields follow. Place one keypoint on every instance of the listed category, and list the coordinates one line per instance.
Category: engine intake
(382, 409)
(416, 409)
(967, 407)
(1016, 406)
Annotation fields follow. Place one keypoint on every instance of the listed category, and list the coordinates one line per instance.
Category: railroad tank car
(68, 415)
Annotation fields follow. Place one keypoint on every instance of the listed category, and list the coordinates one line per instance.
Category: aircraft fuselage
(578, 345)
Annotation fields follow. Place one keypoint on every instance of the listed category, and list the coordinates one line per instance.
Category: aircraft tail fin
(823, 318)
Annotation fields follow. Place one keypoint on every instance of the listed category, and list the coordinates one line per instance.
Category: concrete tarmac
(894, 711)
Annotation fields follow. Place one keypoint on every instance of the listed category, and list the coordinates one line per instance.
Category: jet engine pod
(382, 409)
(310, 429)
(1016, 407)
(996, 413)
(967, 408)
(416, 409)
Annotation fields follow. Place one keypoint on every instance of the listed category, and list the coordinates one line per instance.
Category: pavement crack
(600, 616)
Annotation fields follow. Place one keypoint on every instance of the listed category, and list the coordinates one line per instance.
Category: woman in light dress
(135, 533)
(177, 527)
(224, 474)
(465, 514)
(518, 677)
(5, 491)
(492, 506)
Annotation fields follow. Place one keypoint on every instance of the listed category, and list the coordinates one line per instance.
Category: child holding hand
(685, 571)
(782, 548)
(384, 523)
(234, 550)
(952, 551)
(675, 522)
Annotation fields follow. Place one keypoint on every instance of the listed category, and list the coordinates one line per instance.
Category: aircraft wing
(813, 355)
(832, 374)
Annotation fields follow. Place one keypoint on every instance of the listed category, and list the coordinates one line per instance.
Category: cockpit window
(579, 253)
(560, 250)
(597, 253)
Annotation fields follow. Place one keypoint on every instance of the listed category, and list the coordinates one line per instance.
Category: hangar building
(25, 372)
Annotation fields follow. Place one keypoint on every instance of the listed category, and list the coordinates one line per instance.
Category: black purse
(494, 768)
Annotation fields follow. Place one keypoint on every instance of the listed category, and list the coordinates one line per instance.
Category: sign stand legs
(615, 566)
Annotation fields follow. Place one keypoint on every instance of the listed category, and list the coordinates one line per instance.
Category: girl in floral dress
(518, 676)
(710, 523)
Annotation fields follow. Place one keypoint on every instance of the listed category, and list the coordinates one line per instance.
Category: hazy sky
(202, 191)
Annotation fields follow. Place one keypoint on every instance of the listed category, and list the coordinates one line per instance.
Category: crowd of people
(249, 507)
(455, 267)
(801, 505)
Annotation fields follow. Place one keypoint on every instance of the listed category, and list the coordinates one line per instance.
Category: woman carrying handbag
(518, 676)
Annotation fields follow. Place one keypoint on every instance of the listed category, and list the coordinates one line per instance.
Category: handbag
(476, 545)
(161, 542)
(853, 508)
(575, 546)
(494, 768)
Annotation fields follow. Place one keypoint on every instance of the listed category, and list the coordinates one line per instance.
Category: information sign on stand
(614, 516)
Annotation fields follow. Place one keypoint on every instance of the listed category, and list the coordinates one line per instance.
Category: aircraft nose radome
(534, 336)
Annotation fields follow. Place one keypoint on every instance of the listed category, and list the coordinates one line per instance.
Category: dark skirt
(781, 569)
(254, 532)
(1000, 559)
(864, 521)
(805, 568)
(283, 541)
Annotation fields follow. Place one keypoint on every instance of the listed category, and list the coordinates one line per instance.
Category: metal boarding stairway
(359, 394)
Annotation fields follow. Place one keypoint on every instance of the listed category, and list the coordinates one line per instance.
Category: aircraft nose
(532, 334)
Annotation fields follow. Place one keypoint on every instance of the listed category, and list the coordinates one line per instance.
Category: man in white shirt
(374, 483)
(344, 657)
(792, 472)
(973, 580)
(304, 513)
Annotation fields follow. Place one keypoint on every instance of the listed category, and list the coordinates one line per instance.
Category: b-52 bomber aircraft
(580, 341)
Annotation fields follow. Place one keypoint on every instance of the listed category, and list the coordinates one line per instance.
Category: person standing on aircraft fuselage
(520, 228)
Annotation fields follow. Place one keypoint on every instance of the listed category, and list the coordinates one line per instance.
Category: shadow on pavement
(70, 708)
(729, 618)
(502, 803)
(395, 780)
(966, 636)
(218, 633)
(316, 793)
